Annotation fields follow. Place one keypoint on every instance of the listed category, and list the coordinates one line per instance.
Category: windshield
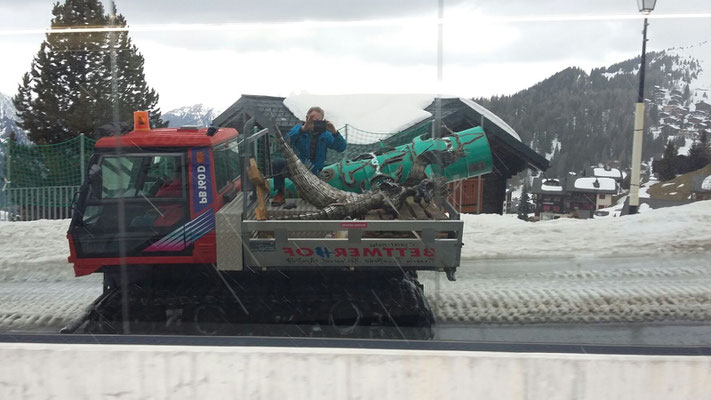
(138, 198)
(435, 171)
(140, 176)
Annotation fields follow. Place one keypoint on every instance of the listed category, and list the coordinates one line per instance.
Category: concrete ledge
(80, 371)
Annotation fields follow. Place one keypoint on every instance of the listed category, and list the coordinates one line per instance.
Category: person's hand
(309, 124)
(331, 128)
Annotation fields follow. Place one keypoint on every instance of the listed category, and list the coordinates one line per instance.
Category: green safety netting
(374, 141)
(58, 164)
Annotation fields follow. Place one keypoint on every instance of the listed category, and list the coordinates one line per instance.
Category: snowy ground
(654, 266)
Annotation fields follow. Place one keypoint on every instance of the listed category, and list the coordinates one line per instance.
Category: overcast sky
(211, 51)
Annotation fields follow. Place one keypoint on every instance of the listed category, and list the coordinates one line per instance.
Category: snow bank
(38, 249)
(679, 229)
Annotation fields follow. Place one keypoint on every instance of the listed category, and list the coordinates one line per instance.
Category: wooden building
(484, 194)
(573, 196)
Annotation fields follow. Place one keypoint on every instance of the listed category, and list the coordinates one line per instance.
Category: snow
(588, 183)
(491, 117)
(706, 184)
(664, 230)
(612, 173)
(4, 215)
(39, 292)
(551, 188)
(39, 250)
(700, 52)
(7, 109)
(610, 75)
(381, 115)
(684, 150)
(555, 143)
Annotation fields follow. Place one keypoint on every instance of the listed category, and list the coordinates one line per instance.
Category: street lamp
(645, 7)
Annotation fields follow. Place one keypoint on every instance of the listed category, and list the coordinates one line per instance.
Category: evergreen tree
(666, 168)
(68, 90)
(524, 208)
(133, 92)
(699, 155)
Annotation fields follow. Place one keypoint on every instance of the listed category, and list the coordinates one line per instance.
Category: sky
(213, 51)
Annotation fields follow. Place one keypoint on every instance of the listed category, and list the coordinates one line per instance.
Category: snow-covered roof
(588, 183)
(612, 172)
(551, 188)
(491, 117)
(383, 114)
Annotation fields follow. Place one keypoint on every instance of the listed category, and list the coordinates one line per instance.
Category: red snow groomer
(164, 217)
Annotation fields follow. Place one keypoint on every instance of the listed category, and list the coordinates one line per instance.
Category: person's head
(315, 114)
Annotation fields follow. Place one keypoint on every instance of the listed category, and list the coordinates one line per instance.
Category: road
(597, 300)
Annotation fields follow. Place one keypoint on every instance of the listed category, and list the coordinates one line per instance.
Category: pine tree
(699, 155)
(68, 90)
(133, 91)
(666, 168)
(524, 208)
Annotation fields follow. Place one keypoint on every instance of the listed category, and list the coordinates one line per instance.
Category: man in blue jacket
(310, 142)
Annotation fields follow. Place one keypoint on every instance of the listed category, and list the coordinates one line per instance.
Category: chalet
(549, 196)
(687, 133)
(703, 106)
(588, 194)
(676, 100)
(575, 196)
(604, 172)
(694, 119)
(483, 194)
(670, 130)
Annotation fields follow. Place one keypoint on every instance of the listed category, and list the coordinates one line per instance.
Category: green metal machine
(457, 156)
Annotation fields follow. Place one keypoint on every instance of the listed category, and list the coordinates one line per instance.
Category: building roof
(574, 184)
(259, 107)
(548, 186)
(592, 185)
(605, 172)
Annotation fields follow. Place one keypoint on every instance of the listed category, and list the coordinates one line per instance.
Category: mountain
(197, 114)
(8, 124)
(8, 119)
(578, 119)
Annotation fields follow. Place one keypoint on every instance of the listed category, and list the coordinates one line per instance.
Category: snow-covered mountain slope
(8, 119)
(700, 82)
(197, 114)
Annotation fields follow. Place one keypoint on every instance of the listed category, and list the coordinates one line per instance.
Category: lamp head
(646, 6)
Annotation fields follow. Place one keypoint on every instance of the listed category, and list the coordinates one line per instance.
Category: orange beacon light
(140, 121)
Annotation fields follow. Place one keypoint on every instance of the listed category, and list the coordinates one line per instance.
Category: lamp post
(645, 7)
